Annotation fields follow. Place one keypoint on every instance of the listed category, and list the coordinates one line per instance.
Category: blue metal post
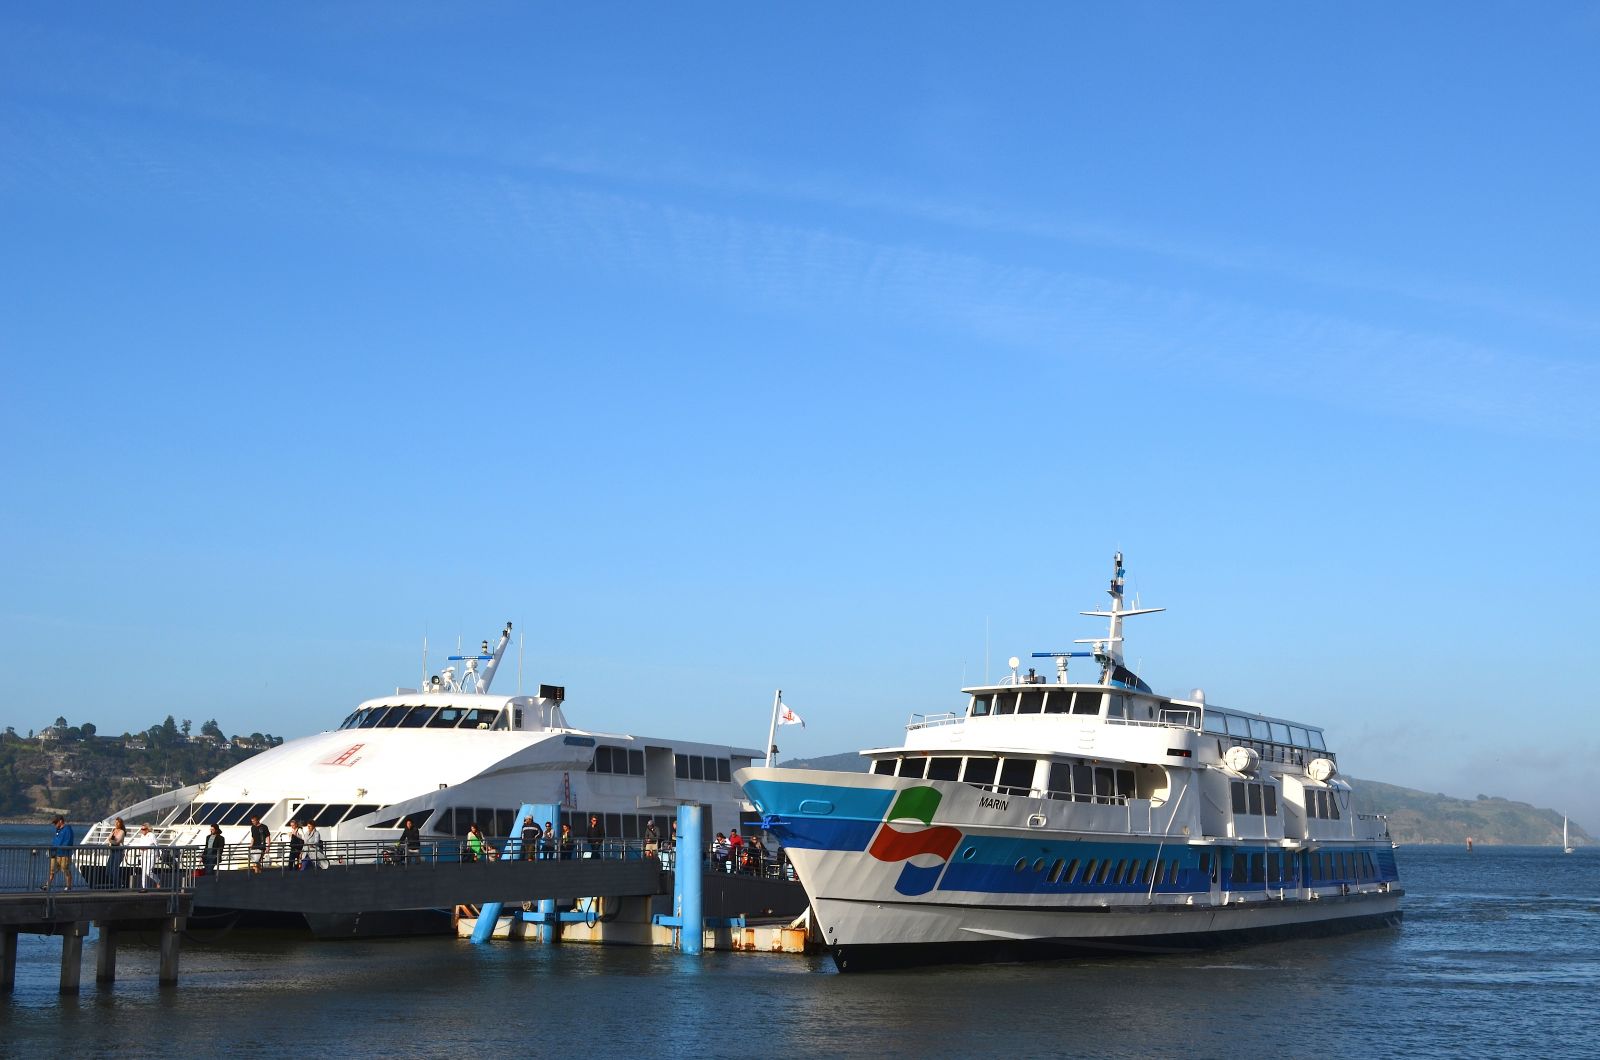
(483, 930)
(686, 880)
(549, 929)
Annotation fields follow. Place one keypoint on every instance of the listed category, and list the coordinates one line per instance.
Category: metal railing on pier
(174, 869)
(98, 868)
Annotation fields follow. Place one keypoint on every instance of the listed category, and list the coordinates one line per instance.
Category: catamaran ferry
(445, 756)
(1050, 819)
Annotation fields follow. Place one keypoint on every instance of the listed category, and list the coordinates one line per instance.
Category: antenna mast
(1109, 650)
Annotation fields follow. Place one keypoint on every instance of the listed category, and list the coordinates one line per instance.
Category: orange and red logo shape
(926, 849)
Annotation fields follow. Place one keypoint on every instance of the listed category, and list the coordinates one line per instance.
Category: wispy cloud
(448, 175)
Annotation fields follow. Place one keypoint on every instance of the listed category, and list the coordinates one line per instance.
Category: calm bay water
(1500, 952)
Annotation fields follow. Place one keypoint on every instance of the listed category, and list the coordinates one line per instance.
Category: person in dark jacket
(297, 844)
(530, 839)
(117, 840)
(259, 834)
(547, 842)
(596, 836)
(211, 853)
(411, 840)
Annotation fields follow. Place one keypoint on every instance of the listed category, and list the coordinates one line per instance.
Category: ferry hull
(874, 936)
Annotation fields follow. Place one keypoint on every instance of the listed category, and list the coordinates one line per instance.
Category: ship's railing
(93, 867)
(925, 721)
(1168, 719)
(1381, 819)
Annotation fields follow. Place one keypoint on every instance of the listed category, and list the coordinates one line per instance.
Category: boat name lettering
(989, 802)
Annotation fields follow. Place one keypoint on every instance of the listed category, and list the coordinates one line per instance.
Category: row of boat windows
(1058, 701)
(627, 762)
(1072, 701)
(1075, 781)
(1322, 804)
(498, 822)
(623, 761)
(703, 767)
(1262, 867)
(1221, 723)
(1152, 872)
(426, 717)
(232, 813)
(1284, 868)
(1255, 799)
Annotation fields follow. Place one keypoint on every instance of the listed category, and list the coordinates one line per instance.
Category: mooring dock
(620, 893)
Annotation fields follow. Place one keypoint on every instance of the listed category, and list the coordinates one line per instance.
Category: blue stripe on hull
(821, 816)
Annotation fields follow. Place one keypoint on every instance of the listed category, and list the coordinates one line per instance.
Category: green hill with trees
(74, 770)
(1414, 816)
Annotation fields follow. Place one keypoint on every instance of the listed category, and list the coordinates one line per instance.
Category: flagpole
(772, 732)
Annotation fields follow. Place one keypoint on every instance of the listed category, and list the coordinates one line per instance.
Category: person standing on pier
(297, 844)
(258, 843)
(211, 853)
(116, 840)
(652, 837)
(411, 840)
(61, 845)
(719, 854)
(314, 857)
(597, 836)
(566, 842)
(144, 859)
(530, 839)
(547, 842)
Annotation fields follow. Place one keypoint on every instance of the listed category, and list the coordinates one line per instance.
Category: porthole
(1022, 863)
(1038, 864)
(969, 853)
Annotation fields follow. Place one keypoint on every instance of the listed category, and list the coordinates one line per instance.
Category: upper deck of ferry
(1118, 716)
(991, 706)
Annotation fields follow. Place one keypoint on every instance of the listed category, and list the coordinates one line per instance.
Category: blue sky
(741, 347)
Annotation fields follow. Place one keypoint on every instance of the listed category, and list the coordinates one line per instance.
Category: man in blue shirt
(61, 853)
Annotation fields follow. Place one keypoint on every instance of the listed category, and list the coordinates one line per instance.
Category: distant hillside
(1414, 816)
(849, 762)
(1421, 817)
(72, 769)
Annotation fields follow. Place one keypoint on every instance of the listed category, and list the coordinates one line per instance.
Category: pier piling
(549, 930)
(687, 902)
(72, 954)
(8, 959)
(171, 933)
(105, 958)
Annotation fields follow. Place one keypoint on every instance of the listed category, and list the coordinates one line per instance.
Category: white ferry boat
(1054, 819)
(446, 756)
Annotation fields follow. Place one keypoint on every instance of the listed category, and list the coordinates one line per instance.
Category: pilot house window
(1017, 774)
